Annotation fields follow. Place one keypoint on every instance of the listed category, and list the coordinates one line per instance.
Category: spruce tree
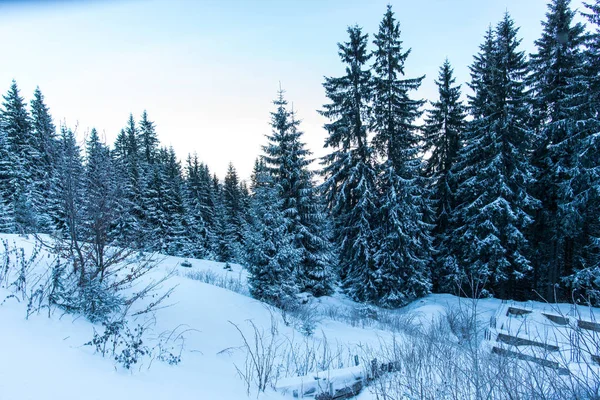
(444, 127)
(100, 203)
(155, 205)
(222, 243)
(44, 135)
(67, 194)
(178, 224)
(7, 214)
(349, 171)
(24, 159)
(494, 173)
(232, 234)
(286, 159)
(585, 186)
(271, 254)
(403, 242)
(130, 175)
(198, 235)
(557, 73)
(148, 139)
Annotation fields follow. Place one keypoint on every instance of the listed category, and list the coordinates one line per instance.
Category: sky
(207, 71)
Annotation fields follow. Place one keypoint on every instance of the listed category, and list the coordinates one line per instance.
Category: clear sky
(207, 71)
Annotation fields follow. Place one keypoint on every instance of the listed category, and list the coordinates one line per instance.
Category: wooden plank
(527, 357)
(557, 319)
(517, 341)
(589, 325)
(517, 311)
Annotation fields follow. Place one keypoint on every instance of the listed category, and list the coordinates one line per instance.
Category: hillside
(45, 357)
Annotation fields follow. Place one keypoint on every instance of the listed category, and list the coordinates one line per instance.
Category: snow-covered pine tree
(148, 139)
(349, 171)
(221, 245)
(444, 127)
(45, 141)
(207, 203)
(270, 251)
(232, 235)
(155, 199)
(557, 73)
(100, 206)
(7, 214)
(494, 172)
(585, 187)
(67, 190)
(167, 219)
(24, 160)
(403, 243)
(287, 160)
(198, 234)
(127, 155)
(178, 224)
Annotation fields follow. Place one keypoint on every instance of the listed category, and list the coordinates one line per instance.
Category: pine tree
(557, 72)
(444, 127)
(349, 171)
(232, 234)
(494, 171)
(198, 234)
(286, 159)
(7, 214)
(148, 139)
(403, 242)
(178, 225)
(67, 194)
(271, 254)
(131, 177)
(155, 198)
(100, 203)
(585, 186)
(222, 243)
(44, 133)
(24, 160)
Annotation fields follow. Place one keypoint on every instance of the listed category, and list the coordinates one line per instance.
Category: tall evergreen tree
(24, 160)
(444, 127)
(494, 171)
(557, 72)
(287, 161)
(178, 225)
(232, 236)
(100, 203)
(349, 172)
(585, 186)
(198, 232)
(148, 139)
(67, 194)
(403, 242)
(271, 253)
(7, 214)
(44, 133)
(130, 174)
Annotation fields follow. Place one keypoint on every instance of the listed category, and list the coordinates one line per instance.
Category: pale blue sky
(207, 71)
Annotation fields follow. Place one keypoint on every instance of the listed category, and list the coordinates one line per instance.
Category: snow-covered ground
(45, 358)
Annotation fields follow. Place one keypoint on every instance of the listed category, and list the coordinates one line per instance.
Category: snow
(45, 358)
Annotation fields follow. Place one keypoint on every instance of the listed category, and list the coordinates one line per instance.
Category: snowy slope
(45, 358)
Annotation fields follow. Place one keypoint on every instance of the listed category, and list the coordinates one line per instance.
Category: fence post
(374, 369)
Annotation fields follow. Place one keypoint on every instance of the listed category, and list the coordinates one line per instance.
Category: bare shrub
(263, 350)
(128, 347)
(370, 317)
(235, 284)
